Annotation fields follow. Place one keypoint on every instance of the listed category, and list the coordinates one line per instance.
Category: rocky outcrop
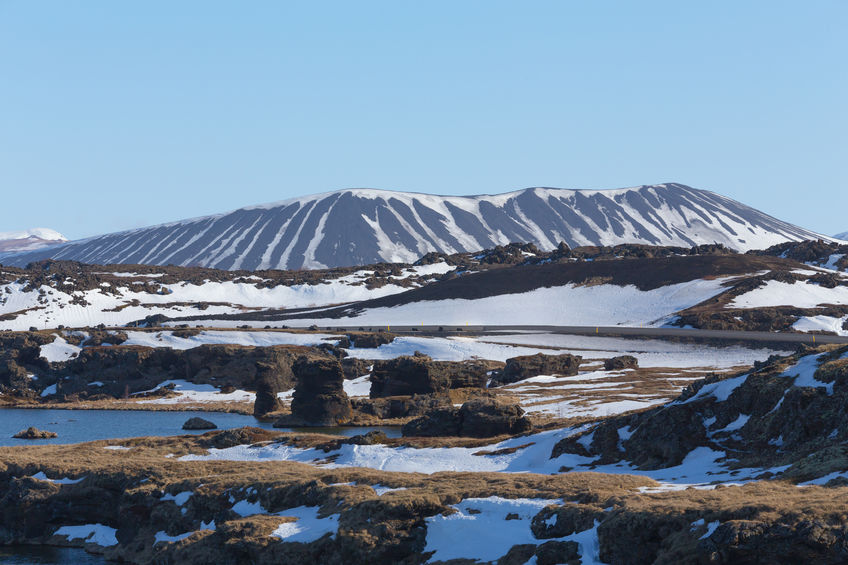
(483, 417)
(199, 424)
(122, 370)
(20, 356)
(527, 366)
(35, 433)
(268, 384)
(319, 398)
(400, 407)
(441, 422)
(354, 368)
(621, 362)
(240, 365)
(408, 375)
(371, 340)
(99, 337)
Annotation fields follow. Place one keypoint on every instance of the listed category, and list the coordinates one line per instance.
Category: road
(618, 331)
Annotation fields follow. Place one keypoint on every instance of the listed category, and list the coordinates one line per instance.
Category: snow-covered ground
(90, 533)
(822, 323)
(480, 530)
(191, 393)
(119, 304)
(253, 338)
(700, 468)
(604, 305)
(59, 350)
(650, 353)
(799, 294)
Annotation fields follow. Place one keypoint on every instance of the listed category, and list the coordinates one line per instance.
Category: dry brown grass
(125, 404)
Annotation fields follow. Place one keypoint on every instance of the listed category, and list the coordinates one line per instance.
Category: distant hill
(843, 236)
(29, 240)
(363, 226)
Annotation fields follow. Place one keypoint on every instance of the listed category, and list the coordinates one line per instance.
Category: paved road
(619, 331)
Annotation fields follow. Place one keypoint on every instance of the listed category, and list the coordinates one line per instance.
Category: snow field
(99, 534)
(799, 294)
(603, 305)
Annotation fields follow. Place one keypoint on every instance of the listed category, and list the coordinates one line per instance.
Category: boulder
(35, 433)
(527, 366)
(482, 417)
(371, 340)
(319, 398)
(621, 362)
(408, 375)
(199, 424)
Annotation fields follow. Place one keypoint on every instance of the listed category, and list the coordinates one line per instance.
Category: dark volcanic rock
(485, 417)
(401, 406)
(371, 340)
(35, 433)
(440, 422)
(752, 541)
(240, 365)
(199, 424)
(410, 375)
(20, 356)
(482, 417)
(527, 366)
(354, 368)
(319, 397)
(268, 383)
(123, 368)
(126, 369)
(621, 362)
(560, 521)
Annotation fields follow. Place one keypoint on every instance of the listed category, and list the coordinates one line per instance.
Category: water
(75, 426)
(39, 554)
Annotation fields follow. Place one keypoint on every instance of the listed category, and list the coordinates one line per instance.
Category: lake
(40, 554)
(75, 426)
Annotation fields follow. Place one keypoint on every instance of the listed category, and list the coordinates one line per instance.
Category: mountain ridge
(363, 226)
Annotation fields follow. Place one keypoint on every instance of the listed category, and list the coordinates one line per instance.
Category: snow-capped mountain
(362, 226)
(29, 240)
(843, 236)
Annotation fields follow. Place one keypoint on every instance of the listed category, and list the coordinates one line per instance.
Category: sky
(117, 115)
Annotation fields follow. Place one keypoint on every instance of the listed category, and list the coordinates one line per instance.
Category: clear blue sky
(122, 114)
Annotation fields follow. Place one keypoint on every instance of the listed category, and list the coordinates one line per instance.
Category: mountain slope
(362, 226)
(843, 236)
(29, 240)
